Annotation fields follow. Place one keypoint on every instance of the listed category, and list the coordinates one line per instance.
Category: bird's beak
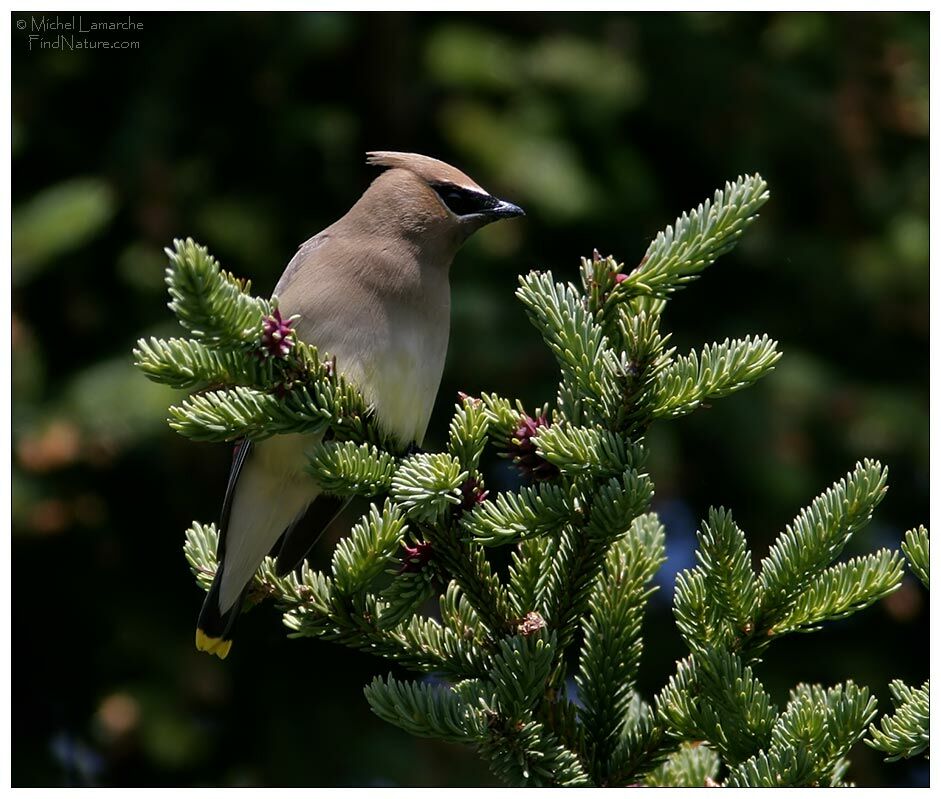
(504, 210)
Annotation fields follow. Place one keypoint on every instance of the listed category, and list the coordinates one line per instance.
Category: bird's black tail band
(213, 630)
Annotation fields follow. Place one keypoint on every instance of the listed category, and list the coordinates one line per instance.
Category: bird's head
(433, 199)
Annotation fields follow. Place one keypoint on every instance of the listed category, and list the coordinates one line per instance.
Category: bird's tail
(267, 495)
(214, 628)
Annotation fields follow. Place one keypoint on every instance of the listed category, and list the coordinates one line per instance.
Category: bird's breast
(384, 318)
(399, 373)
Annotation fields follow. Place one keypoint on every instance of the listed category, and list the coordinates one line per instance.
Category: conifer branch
(428, 485)
(533, 511)
(531, 755)
(369, 549)
(678, 254)
(559, 313)
(467, 434)
(527, 575)
(189, 364)
(642, 746)
(816, 537)
(905, 732)
(424, 710)
(346, 468)
(729, 582)
(610, 655)
(214, 305)
(721, 369)
(810, 739)
(844, 589)
(693, 765)
(714, 697)
(915, 547)
(583, 450)
(584, 546)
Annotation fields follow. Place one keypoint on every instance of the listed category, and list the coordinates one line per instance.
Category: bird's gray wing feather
(302, 254)
(299, 538)
(242, 448)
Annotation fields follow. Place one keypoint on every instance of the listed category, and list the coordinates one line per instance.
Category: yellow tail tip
(212, 646)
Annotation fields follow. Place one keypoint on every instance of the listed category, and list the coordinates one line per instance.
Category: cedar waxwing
(371, 290)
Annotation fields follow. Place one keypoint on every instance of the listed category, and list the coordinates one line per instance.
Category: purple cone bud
(415, 558)
(522, 449)
(277, 336)
(472, 493)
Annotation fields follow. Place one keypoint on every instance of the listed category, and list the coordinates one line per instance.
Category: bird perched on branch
(372, 290)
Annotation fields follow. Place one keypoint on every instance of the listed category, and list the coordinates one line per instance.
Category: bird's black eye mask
(464, 202)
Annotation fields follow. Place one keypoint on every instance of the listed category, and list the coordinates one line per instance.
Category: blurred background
(247, 131)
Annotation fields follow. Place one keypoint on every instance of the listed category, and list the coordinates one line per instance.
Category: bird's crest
(431, 170)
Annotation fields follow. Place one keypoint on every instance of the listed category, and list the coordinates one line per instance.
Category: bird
(373, 291)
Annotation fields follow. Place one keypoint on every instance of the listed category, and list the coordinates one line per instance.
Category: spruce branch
(444, 650)
(816, 537)
(586, 450)
(190, 364)
(467, 434)
(700, 623)
(843, 590)
(503, 418)
(529, 754)
(679, 253)
(214, 305)
(468, 566)
(729, 581)
(904, 733)
(610, 654)
(244, 412)
(368, 550)
(521, 668)
(427, 485)
(642, 746)
(584, 549)
(404, 596)
(616, 504)
(639, 365)
(510, 517)
(720, 370)
(527, 575)
(778, 768)
(825, 723)
(428, 711)
(810, 739)
(915, 547)
(199, 548)
(313, 606)
(693, 765)
(346, 468)
(558, 311)
(714, 697)
(459, 616)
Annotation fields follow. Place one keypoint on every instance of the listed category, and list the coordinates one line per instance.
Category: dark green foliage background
(247, 132)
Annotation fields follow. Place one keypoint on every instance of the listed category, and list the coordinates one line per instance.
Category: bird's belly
(399, 377)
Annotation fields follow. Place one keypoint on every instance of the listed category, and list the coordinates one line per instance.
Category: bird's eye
(462, 202)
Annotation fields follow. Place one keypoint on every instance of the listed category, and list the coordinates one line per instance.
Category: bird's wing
(299, 538)
(242, 448)
(303, 253)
